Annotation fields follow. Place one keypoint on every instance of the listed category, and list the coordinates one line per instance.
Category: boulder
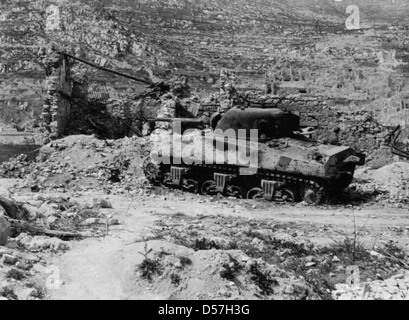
(4, 231)
(101, 204)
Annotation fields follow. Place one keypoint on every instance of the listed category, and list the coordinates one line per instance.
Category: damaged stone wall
(359, 127)
(67, 107)
(58, 93)
(79, 98)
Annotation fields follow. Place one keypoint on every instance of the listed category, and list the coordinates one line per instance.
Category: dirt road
(102, 268)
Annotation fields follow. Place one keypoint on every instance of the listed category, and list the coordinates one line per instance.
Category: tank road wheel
(312, 195)
(152, 171)
(255, 194)
(208, 188)
(288, 195)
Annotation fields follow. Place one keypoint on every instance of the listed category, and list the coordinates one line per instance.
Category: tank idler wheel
(255, 194)
(208, 188)
(313, 195)
(288, 195)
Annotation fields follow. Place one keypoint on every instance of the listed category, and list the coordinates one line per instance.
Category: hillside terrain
(302, 41)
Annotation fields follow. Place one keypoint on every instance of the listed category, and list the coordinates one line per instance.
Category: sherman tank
(251, 153)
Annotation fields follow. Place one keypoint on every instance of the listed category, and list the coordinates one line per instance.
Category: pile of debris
(57, 216)
(388, 185)
(81, 163)
(16, 168)
(395, 288)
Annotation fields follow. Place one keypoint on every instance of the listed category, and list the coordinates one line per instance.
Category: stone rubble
(113, 165)
(22, 256)
(388, 185)
(395, 288)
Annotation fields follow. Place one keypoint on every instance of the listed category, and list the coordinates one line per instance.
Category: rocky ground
(124, 239)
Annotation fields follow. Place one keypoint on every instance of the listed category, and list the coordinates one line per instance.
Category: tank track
(297, 188)
(296, 183)
(264, 174)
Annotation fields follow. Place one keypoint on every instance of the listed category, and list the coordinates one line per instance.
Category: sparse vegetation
(352, 249)
(8, 293)
(202, 244)
(231, 270)
(263, 279)
(393, 250)
(41, 291)
(352, 245)
(395, 254)
(317, 266)
(206, 244)
(317, 278)
(185, 261)
(149, 267)
(15, 274)
(175, 279)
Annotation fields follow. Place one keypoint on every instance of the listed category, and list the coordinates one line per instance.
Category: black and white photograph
(206, 156)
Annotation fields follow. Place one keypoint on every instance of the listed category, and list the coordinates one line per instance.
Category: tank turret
(270, 123)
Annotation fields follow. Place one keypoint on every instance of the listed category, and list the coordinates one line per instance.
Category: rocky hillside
(286, 40)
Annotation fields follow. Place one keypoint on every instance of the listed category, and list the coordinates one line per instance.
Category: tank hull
(301, 169)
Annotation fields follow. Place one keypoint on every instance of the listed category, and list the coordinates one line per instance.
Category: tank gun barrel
(183, 120)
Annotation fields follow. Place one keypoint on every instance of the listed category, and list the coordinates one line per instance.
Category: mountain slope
(158, 38)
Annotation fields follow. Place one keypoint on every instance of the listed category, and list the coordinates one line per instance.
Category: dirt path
(101, 268)
(97, 268)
